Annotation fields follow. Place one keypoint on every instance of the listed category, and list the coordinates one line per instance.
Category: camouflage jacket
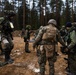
(42, 31)
(71, 39)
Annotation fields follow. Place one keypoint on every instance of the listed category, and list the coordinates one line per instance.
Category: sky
(28, 1)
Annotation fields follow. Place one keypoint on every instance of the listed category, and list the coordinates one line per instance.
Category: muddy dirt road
(26, 64)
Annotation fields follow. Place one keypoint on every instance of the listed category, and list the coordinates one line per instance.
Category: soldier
(27, 38)
(46, 39)
(2, 52)
(6, 36)
(63, 31)
(71, 45)
(23, 33)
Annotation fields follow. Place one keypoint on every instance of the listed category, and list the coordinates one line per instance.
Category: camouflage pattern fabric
(46, 54)
(72, 63)
(47, 41)
(71, 41)
(7, 40)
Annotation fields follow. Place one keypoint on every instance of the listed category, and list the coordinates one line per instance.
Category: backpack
(50, 33)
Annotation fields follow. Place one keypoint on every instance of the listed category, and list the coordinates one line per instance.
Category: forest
(35, 13)
(38, 12)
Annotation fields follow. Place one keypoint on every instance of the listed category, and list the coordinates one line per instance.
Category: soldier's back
(50, 33)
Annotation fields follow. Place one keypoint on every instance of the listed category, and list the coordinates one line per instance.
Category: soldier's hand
(66, 49)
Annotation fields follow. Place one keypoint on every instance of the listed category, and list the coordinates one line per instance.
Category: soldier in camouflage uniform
(63, 31)
(71, 45)
(27, 38)
(6, 36)
(46, 39)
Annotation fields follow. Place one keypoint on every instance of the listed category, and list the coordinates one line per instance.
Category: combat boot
(27, 48)
(42, 70)
(27, 51)
(8, 59)
(3, 64)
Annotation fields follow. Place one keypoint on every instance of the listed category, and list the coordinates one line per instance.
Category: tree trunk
(72, 12)
(24, 13)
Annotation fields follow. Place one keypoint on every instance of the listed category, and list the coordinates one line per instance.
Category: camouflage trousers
(72, 63)
(7, 46)
(7, 43)
(47, 53)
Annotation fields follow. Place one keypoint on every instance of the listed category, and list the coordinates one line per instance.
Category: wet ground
(26, 63)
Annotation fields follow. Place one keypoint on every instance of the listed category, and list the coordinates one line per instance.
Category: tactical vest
(50, 34)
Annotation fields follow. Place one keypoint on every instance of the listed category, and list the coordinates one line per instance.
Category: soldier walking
(27, 38)
(6, 36)
(46, 40)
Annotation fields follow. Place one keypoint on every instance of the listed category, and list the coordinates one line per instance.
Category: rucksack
(50, 33)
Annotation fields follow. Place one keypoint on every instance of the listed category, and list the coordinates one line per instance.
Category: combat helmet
(52, 21)
(28, 27)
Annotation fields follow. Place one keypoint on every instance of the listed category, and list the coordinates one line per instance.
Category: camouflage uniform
(71, 42)
(6, 36)
(63, 32)
(47, 47)
(27, 38)
(2, 52)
